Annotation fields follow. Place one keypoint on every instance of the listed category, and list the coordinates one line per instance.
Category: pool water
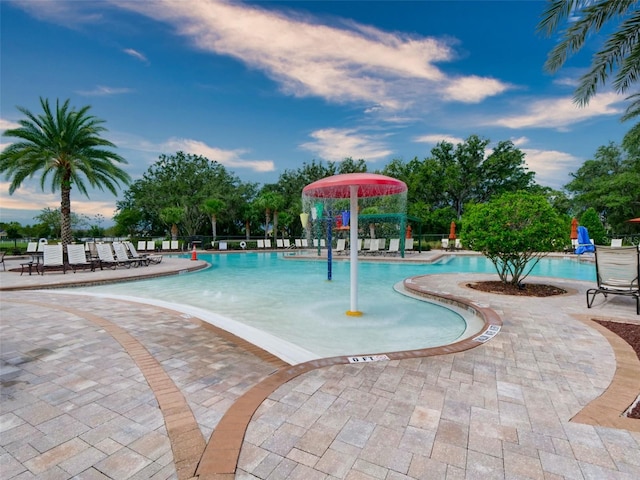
(289, 308)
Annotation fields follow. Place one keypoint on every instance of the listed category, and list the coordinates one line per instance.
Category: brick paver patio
(101, 388)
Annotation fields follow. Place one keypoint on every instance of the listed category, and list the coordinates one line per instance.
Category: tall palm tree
(621, 50)
(66, 146)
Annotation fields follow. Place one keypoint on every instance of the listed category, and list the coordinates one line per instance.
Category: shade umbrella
(574, 229)
(354, 186)
(634, 220)
(452, 231)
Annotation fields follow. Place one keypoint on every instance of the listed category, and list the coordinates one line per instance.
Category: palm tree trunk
(66, 235)
(214, 222)
(266, 227)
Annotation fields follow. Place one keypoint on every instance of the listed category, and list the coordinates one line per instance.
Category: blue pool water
(268, 299)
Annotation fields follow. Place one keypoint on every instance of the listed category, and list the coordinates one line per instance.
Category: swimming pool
(289, 308)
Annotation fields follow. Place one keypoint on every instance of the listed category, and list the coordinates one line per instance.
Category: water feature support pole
(329, 240)
(353, 249)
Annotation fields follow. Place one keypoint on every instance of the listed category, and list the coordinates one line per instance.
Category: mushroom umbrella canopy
(634, 220)
(452, 231)
(354, 186)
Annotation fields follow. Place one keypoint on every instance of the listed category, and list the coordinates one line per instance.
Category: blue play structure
(584, 244)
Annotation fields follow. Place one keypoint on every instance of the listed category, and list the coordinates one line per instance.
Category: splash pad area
(387, 193)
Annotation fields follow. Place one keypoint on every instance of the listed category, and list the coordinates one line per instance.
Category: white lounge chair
(445, 243)
(175, 245)
(77, 257)
(222, 245)
(52, 258)
(122, 255)
(408, 244)
(617, 273)
(458, 244)
(394, 246)
(267, 243)
(374, 246)
(142, 245)
(105, 254)
(305, 243)
(279, 243)
(142, 259)
(287, 243)
(298, 243)
(166, 245)
(260, 243)
(151, 246)
(341, 244)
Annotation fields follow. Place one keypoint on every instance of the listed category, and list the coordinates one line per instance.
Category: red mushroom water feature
(354, 186)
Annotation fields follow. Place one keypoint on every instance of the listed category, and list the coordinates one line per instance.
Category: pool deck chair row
(617, 272)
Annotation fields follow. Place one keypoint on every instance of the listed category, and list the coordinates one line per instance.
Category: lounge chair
(222, 245)
(616, 242)
(394, 246)
(105, 254)
(617, 272)
(305, 243)
(267, 243)
(52, 258)
(77, 257)
(166, 245)
(279, 243)
(2, 254)
(175, 245)
(91, 250)
(151, 246)
(142, 245)
(298, 243)
(122, 255)
(458, 244)
(260, 243)
(341, 244)
(445, 243)
(133, 253)
(374, 246)
(408, 244)
(287, 243)
(32, 249)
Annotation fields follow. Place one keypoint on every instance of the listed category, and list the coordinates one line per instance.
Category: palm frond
(633, 109)
(589, 20)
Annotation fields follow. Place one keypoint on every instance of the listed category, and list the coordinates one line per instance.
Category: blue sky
(262, 87)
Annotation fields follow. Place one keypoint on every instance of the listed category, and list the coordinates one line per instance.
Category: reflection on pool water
(267, 299)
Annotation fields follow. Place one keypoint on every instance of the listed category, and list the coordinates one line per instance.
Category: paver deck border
(607, 410)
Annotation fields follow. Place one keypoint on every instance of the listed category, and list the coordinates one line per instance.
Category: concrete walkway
(99, 388)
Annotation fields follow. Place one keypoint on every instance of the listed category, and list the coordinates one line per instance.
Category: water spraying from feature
(376, 191)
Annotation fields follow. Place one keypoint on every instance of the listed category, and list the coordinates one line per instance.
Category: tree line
(187, 195)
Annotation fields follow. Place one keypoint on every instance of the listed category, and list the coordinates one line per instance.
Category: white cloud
(552, 167)
(341, 63)
(559, 113)
(474, 89)
(435, 138)
(519, 141)
(228, 158)
(7, 125)
(136, 54)
(69, 14)
(337, 144)
(101, 91)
